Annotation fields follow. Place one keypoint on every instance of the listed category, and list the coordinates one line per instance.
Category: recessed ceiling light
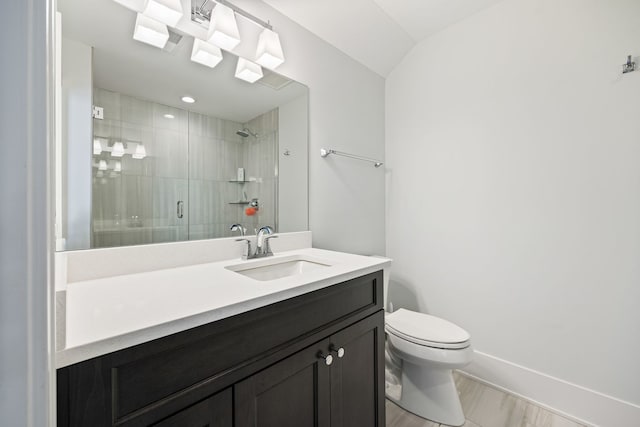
(188, 99)
(169, 116)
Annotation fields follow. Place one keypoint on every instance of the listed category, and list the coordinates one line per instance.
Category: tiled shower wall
(191, 158)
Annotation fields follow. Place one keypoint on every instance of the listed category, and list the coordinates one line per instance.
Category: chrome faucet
(238, 227)
(262, 244)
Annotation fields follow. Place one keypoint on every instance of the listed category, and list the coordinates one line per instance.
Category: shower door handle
(180, 209)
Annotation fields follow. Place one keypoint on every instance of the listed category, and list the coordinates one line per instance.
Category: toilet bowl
(425, 349)
(429, 349)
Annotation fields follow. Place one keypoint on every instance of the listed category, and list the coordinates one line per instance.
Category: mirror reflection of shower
(245, 132)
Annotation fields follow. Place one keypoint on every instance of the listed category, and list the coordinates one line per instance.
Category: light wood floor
(485, 406)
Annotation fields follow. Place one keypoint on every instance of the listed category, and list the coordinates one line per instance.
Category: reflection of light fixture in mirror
(97, 147)
(140, 152)
(169, 116)
(166, 11)
(129, 4)
(188, 99)
(248, 71)
(150, 31)
(205, 53)
(117, 150)
(118, 166)
(223, 28)
(269, 53)
(102, 165)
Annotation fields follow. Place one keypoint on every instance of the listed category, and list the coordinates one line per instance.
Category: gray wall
(77, 88)
(514, 203)
(346, 112)
(26, 367)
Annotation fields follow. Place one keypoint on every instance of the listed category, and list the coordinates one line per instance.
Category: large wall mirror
(135, 164)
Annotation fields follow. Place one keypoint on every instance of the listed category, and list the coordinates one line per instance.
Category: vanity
(293, 340)
(185, 160)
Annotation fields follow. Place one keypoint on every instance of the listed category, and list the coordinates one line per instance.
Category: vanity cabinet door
(291, 393)
(357, 377)
(215, 411)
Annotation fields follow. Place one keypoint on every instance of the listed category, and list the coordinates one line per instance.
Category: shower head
(245, 132)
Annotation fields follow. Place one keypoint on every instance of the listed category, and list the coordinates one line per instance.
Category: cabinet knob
(338, 351)
(328, 359)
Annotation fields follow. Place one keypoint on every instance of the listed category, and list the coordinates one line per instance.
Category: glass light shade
(248, 71)
(223, 28)
(130, 4)
(97, 147)
(102, 165)
(140, 152)
(118, 166)
(205, 53)
(117, 150)
(166, 11)
(150, 31)
(269, 53)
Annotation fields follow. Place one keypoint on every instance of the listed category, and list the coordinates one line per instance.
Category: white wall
(293, 137)
(346, 112)
(26, 370)
(77, 138)
(514, 189)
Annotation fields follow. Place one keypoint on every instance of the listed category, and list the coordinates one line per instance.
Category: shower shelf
(241, 202)
(238, 182)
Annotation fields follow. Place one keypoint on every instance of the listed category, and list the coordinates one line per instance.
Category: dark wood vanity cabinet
(267, 367)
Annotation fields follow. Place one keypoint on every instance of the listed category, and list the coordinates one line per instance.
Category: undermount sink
(275, 268)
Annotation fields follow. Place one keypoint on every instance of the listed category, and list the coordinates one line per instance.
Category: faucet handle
(247, 249)
(267, 248)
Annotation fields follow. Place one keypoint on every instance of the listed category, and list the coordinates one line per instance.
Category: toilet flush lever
(338, 351)
(328, 359)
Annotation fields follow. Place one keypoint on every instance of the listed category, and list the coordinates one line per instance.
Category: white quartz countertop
(109, 314)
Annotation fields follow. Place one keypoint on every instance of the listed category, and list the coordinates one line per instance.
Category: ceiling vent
(273, 80)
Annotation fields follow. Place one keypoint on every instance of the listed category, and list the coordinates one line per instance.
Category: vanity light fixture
(248, 71)
(118, 166)
(223, 28)
(150, 31)
(140, 152)
(205, 53)
(97, 147)
(102, 165)
(269, 53)
(117, 150)
(168, 12)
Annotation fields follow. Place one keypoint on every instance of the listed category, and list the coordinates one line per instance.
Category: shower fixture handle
(180, 209)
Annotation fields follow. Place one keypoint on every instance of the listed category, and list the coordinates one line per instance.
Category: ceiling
(377, 33)
(124, 65)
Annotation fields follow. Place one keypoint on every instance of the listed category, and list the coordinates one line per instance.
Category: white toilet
(427, 349)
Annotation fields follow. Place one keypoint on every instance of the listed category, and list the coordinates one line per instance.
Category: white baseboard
(570, 400)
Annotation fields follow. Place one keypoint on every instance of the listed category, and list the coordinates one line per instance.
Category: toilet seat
(426, 330)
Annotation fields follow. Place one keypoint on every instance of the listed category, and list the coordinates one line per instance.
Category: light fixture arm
(199, 11)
